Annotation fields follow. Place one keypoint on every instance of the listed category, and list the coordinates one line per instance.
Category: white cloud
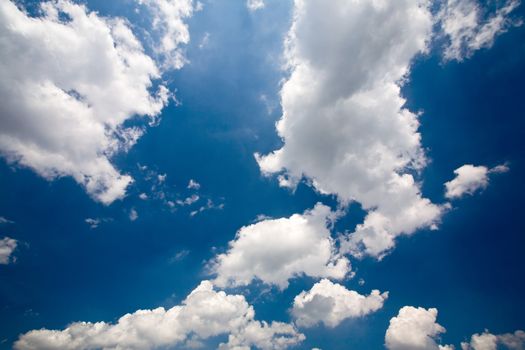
(133, 215)
(254, 5)
(203, 314)
(95, 222)
(208, 206)
(162, 178)
(193, 185)
(489, 341)
(143, 196)
(463, 24)
(68, 86)
(168, 22)
(469, 179)
(414, 329)
(7, 247)
(344, 126)
(331, 303)
(276, 250)
(273, 336)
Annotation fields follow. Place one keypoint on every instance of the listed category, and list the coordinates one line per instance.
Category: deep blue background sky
(471, 269)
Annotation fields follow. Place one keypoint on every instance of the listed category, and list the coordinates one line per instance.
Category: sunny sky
(262, 174)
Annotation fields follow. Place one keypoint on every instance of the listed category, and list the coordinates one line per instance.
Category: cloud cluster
(417, 329)
(469, 179)
(331, 303)
(7, 247)
(344, 124)
(276, 250)
(203, 314)
(467, 28)
(489, 341)
(69, 80)
(414, 329)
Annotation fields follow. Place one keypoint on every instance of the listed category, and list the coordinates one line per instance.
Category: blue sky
(351, 82)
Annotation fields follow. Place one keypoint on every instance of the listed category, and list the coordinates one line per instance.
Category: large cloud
(7, 247)
(203, 314)
(69, 81)
(467, 27)
(276, 250)
(331, 303)
(469, 179)
(344, 124)
(414, 329)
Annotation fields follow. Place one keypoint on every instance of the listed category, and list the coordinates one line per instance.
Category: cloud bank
(203, 314)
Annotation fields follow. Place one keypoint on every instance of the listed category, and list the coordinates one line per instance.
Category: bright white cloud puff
(331, 303)
(469, 179)
(415, 329)
(276, 250)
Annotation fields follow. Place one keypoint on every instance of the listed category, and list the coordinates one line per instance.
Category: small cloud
(190, 200)
(4, 220)
(262, 217)
(204, 41)
(209, 205)
(199, 6)
(7, 247)
(181, 255)
(133, 215)
(470, 178)
(143, 196)
(161, 177)
(269, 103)
(254, 5)
(361, 282)
(194, 185)
(95, 222)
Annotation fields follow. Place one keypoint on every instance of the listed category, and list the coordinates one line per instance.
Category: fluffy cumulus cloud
(468, 27)
(415, 329)
(331, 303)
(469, 179)
(344, 124)
(203, 314)
(168, 23)
(489, 341)
(7, 247)
(276, 250)
(69, 80)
